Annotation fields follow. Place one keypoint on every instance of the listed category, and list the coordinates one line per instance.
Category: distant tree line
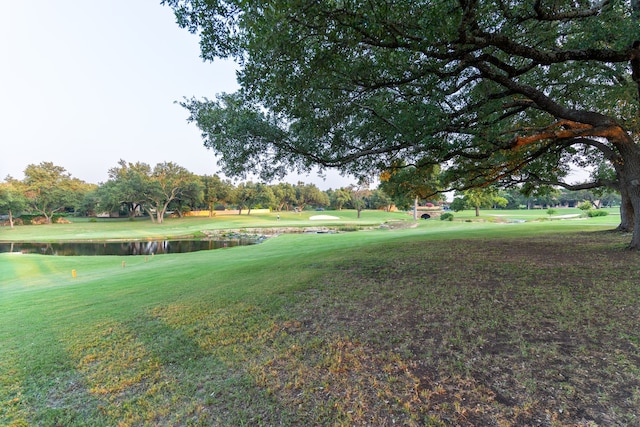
(517, 198)
(137, 189)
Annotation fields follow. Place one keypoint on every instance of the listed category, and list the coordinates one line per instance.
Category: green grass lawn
(445, 323)
(498, 215)
(142, 228)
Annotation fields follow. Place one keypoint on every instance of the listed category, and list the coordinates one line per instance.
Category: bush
(596, 212)
(551, 211)
(447, 216)
(35, 219)
(585, 206)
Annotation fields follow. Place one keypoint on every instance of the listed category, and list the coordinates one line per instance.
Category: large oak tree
(139, 187)
(49, 189)
(495, 90)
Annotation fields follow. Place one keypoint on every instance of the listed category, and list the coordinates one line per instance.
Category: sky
(85, 83)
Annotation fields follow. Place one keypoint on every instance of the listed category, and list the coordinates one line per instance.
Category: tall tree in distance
(309, 194)
(12, 200)
(339, 198)
(249, 194)
(487, 87)
(138, 187)
(216, 190)
(479, 197)
(127, 186)
(169, 182)
(285, 195)
(50, 189)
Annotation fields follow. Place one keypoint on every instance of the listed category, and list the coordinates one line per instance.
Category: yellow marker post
(73, 274)
(122, 264)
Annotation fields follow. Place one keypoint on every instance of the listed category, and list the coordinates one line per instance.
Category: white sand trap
(322, 217)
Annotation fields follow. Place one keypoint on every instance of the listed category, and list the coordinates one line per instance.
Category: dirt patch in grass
(539, 331)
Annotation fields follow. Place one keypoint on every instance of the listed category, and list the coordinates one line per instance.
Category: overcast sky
(85, 83)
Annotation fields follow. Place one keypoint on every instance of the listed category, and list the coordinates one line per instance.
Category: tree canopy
(12, 200)
(49, 189)
(139, 187)
(497, 91)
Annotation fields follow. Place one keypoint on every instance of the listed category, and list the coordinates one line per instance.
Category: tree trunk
(629, 176)
(635, 202)
(415, 209)
(10, 218)
(477, 210)
(153, 219)
(160, 213)
(626, 212)
(131, 210)
(634, 196)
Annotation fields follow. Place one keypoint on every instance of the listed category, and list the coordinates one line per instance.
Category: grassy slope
(319, 329)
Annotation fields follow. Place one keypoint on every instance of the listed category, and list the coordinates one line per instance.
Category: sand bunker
(322, 217)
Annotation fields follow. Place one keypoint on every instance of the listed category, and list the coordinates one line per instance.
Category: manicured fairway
(444, 323)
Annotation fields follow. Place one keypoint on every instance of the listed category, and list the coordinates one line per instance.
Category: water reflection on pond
(147, 247)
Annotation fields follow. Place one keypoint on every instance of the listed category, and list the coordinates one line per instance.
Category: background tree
(477, 198)
(49, 189)
(128, 186)
(285, 195)
(380, 200)
(488, 87)
(339, 198)
(243, 194)
(266, 198)
(86, 202)
(169, 182)
(249, 194)
(310, 194)
(190, 198)
(215, 191)
(12, 200)
(359, 192)
(89, 204)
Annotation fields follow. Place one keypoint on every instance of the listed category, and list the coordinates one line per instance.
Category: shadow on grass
(535, 331)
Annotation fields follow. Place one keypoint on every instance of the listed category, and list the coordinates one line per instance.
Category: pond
(146, 247)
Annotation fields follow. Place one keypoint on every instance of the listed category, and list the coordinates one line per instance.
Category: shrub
(35, 219)
(551, 211)
(447, 216)
(596, 212)
(585, 206)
